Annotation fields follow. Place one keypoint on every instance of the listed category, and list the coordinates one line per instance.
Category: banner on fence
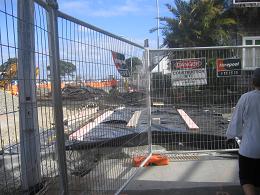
(119, 60)
(228, 67)
(189, 72)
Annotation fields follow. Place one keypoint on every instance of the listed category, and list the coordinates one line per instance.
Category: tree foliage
(196, 23)
(7, 63)
(135, 63)
(66, 68)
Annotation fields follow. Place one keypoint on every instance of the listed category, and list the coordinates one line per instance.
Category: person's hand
(238, 140)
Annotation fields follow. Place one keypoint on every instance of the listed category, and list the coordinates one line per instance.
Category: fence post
(52, 21)
(28, 116)
(148, 77)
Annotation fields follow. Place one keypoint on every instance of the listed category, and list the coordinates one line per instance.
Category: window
(251, 56)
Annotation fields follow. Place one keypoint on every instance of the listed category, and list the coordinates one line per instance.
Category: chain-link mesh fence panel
(194, 92)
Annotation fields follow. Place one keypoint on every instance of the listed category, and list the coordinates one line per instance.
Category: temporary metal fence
(103, 102)
(27, 132)
(194, 92)
(80, 111)
(89, 101)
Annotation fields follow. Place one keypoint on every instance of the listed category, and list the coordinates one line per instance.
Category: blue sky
(129, 18)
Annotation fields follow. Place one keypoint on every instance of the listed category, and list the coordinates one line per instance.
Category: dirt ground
(73, 118)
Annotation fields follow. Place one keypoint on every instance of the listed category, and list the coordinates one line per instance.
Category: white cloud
(102, 8)
(116, 10)
(73, 5)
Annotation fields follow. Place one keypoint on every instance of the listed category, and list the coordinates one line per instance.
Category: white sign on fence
(189, 72)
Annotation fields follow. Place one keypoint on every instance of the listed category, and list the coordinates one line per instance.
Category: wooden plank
(156, 121)
(79, 134)
(158, 104)
(189, 122)
(134, 119)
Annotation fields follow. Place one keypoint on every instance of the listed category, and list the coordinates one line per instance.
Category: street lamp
(158, 40)
(158, 15)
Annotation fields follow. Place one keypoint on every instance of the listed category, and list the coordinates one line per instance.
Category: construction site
(85, 111)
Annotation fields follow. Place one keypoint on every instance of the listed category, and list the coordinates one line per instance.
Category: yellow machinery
(8, 75)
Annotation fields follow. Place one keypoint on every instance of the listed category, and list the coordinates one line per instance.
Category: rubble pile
(81, 92)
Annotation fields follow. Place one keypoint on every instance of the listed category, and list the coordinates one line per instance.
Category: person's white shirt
(245, 124)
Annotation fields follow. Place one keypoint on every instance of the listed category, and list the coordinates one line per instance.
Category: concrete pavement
(205, 176)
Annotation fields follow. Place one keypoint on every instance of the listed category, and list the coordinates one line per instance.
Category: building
(247, 30)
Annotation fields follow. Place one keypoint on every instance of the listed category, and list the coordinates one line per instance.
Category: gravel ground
(8, 102)
(75, 114)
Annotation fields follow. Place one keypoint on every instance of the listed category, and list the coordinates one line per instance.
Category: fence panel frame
(52, 25)
(119, 39)
(29, 134)
(207, 51)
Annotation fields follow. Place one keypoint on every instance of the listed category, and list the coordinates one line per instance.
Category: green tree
(7, 63)
(196, 23)
(135, 63)
(66, 68)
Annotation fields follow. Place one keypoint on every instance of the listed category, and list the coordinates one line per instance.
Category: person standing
(245, 124)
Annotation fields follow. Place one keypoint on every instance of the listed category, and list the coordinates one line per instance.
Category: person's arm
(236, 124)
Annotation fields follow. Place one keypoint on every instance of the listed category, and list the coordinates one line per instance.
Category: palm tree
(196, 23)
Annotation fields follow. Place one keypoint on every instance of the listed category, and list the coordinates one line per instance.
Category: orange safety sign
(155, 160)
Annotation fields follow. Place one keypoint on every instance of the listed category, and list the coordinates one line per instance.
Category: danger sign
(188, 72)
